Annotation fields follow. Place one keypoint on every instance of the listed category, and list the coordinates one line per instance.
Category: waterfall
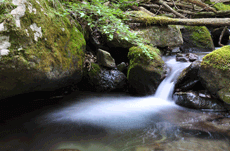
(165, 89)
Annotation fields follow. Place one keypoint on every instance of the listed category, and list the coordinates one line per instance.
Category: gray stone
(182, 59)
(192, 57)
(105, 59)
(162, 36)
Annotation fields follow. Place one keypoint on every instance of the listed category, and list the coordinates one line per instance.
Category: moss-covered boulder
(214, 73)
(42, 49)
(196, 39)
(145, 70)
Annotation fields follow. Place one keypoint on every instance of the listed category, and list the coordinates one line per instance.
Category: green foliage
(108, 19)
(6, 6)
(222, 7)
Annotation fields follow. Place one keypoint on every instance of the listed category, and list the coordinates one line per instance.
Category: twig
(159, 9)
(169, 8)
(221, 36)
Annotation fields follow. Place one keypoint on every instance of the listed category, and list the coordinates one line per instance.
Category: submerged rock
(40, 50)
(145, 71)
(196, 39)
(214, 73)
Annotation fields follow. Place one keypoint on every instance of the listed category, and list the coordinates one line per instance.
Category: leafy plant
(108, 19)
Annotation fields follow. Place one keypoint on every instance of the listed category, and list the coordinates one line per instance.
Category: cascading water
(165, 89)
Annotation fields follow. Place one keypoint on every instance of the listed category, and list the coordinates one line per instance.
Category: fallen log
(206, 14)
(161, 20)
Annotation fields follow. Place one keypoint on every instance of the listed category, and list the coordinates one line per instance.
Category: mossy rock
(162, 36)
(214, 73)
(196, 39)
(46, 49)
(145, 70)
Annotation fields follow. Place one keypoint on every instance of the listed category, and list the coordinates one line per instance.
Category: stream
(90, 121)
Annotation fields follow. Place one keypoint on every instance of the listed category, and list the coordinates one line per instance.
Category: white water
(122, 112)
(165, 89)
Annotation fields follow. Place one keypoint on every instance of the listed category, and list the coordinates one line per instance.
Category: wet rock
(105, 59)
(99, 79)
(191, 57)
(188, 79)
(186, 57)
(197, 101)
(182, 59)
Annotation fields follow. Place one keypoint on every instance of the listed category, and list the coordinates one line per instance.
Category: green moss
(137, 56)
(148, 19)
(5, 7)
(219, 59)
(200, 36)
(95, 70)
(218, 6)
(61, 43)
(221, 7)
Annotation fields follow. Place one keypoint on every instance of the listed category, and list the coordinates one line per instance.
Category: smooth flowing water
(110, 122)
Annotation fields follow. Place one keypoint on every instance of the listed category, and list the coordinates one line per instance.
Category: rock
(176, 50)
(214, 73)
(162, 36)
(188, 79)
(195, 101)
(182, 59)
(105, 59)
(196, 39)
(39, 51)
(122, 67)
(216, 32)
(145, 70)
(103, 80)
(186, 57)
(191, 57)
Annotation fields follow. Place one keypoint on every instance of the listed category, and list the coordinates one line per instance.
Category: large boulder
(145, 70)
(40, 50)
(196, 39)
(214, 73)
